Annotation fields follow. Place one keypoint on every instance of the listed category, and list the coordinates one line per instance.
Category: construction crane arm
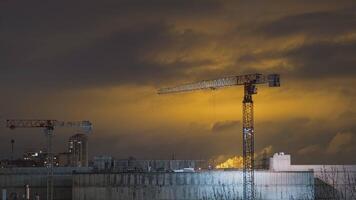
(84, 125)
(271, 79)
(29, 123)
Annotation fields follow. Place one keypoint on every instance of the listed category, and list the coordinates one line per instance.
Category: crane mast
(48, 126)
(248, 142)
(249, 82)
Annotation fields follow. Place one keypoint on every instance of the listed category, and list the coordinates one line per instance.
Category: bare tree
(335, 184)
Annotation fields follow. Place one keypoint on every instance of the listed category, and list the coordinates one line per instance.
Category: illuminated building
(78, 149)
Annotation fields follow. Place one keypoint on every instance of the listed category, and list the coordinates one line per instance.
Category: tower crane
(48, 126)
(249, 82)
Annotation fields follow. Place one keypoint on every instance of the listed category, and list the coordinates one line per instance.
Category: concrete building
(134, 165)
(38, 157)
(82, 184)
(212, 185)
(107, 163)
(78, 147)
(64, 159)
(29, 159)
(332, 181)
(103, 163)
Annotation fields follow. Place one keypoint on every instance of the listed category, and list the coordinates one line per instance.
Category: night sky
(104, 60)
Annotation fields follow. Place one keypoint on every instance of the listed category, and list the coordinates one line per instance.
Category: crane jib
(28, 123)
(271, 79)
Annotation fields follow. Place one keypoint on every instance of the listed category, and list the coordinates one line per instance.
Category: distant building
(64, 159)
(18, 163)
(38, 158)
(78, 148)
(29, 159)
(103, 163)
(107, 163)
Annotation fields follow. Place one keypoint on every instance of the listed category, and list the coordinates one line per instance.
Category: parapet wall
(183, 186)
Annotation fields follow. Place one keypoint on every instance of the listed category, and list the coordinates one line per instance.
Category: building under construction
(78, 150)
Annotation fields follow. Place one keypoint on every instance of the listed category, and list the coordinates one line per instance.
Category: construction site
(178, 100)
(131, 179)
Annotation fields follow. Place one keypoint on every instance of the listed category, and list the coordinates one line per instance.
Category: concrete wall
(14, 185)
(15, 179)
(198, 186)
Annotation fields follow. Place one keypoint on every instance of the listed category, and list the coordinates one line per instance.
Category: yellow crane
(249, 82)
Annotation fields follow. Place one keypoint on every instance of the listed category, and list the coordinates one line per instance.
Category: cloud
(138, 43)
(306, 45)
(348, 115)
(268, 150)
(116, 59)
(310, 60)
(56, 56)
(324, 59)
(317, 24)
(310, 150)
(222, 126)
(340, 142)
(96, 44)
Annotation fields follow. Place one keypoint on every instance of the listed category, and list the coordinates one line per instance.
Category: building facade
(204, 185)
(78, 149)
(107, 163)
(331, 181)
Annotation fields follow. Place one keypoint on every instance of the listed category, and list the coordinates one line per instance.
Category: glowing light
(234, 162)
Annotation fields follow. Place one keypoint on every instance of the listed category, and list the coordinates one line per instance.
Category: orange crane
(48, 126)
(249, 82)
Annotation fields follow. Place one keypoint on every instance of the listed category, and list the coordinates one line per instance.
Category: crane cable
(213, 100)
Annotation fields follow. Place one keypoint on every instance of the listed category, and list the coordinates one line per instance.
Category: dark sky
(104, 60)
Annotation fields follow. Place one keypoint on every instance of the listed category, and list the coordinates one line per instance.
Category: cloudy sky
(104, 60)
